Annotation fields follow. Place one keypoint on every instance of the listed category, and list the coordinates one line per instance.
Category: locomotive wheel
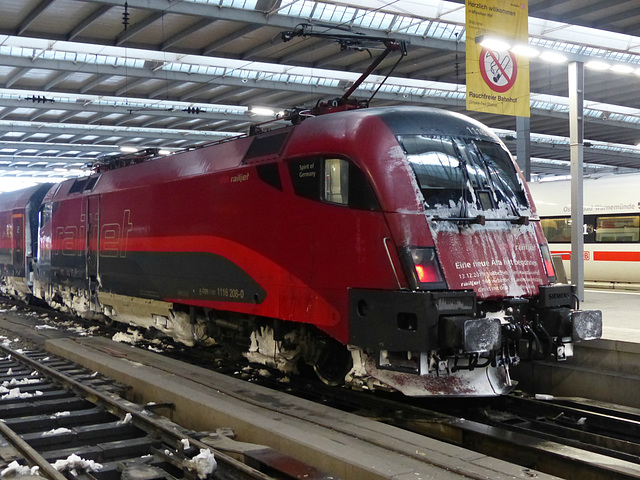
(333, 364)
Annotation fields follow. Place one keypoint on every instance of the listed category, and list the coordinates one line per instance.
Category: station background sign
(497, 81)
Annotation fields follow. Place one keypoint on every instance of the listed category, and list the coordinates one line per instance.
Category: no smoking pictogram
(498, 69)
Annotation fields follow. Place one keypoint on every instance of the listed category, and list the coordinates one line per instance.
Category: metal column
(576, 136)
(523, 146)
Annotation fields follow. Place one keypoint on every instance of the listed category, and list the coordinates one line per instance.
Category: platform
(620, 313)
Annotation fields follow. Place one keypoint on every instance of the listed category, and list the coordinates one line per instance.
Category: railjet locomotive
(394, 248)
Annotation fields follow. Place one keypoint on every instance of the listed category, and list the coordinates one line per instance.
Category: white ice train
(611, 227)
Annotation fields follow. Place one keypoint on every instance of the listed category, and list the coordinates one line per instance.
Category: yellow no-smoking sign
(499, 70)
(497, 80)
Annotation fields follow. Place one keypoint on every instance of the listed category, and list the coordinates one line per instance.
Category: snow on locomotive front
(475, 278)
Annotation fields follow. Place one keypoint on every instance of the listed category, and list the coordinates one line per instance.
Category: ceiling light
(525, 51)
(262, 111)
(620, 68)
(553, 57)
(127, 149)
(493, 43)
(597, 65)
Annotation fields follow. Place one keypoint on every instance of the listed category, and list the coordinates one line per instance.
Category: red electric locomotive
(393, 247)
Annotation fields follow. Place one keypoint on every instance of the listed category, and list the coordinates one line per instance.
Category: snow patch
(266, 350)
(204, 463)
(66, 413)
(46, 327)
(24, 381)
(132, 337)
(127, 419)
(73, 463)
(56, 431)
(14, 469)
(15, 393)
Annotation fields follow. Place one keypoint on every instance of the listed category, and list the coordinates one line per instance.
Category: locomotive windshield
(464, 173)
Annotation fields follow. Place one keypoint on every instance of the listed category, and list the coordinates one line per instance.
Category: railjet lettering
(241, 177)
(114, 237)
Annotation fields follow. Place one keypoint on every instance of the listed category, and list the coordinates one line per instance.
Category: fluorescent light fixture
(525, 50)
(597, 65)
(553, 57)
(127, 149)
(620, 68)
(493, 43)
(262, 111)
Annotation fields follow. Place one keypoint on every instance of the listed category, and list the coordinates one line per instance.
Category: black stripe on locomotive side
(172, 275)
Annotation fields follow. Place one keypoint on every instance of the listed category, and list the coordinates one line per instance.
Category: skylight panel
(303, 8)
(334, 13)
(375, 20)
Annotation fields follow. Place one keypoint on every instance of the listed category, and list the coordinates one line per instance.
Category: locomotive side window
(336, 181)
(78, 185)
(617, 229)
(557, 230)
(270, 175)
(333, 180)
(91, 183)
(263, 145)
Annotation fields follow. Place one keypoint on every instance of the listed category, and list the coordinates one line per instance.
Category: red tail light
(548, 262)
(428, 273)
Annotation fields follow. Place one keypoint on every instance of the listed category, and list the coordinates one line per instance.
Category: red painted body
(306, 254)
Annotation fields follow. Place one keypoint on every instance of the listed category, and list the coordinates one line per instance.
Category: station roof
(81, 78)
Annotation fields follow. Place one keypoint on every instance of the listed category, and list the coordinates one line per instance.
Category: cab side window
(336, 181)
(333, 180)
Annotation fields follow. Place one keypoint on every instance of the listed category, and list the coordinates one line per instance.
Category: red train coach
(18, 238)
(391, 247)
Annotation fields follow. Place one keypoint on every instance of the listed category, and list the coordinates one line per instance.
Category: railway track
(569, 438)
(572, 438)
(63, 422)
